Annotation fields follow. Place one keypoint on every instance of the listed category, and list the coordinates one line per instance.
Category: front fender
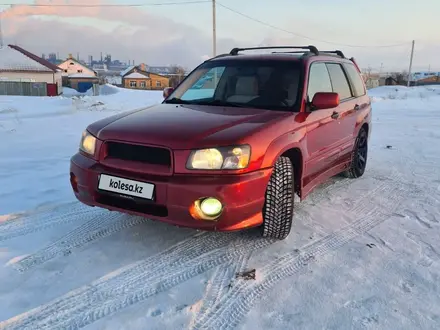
(283, 143)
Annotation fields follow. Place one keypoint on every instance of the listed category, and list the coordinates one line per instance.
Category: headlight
(225, 158)
(88, 142)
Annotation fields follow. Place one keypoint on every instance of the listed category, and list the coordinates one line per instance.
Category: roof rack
(294, 52)
(337, 52)
(311, 48)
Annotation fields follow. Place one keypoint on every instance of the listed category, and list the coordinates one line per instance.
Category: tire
(278, 206)
(359, 156)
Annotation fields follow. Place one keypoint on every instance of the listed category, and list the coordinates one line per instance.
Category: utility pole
(1, 34)
(214, 32)
(411, 62)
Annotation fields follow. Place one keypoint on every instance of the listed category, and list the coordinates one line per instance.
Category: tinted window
(356, 79)
(319, 80)
(271, 85)
(339, 81)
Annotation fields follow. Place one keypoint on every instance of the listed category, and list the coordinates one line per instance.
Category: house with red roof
(18, 65)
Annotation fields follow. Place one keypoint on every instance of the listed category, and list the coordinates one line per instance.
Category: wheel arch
(296, 157)
(366, 127)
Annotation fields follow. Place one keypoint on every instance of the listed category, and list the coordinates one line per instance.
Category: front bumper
(242, 195)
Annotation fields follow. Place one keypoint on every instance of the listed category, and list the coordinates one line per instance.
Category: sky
(182, 34)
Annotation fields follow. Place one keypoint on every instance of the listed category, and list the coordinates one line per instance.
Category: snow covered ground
(363, 253)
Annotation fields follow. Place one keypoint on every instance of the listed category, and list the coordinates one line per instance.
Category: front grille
(134, 205)
(138, 153)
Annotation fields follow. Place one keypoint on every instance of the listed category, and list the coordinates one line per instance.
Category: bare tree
(367, 76)
(177, 74)
(400, 77)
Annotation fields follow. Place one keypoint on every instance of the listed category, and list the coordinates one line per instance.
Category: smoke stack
(143, 67)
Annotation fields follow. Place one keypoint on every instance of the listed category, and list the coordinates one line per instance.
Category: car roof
(306, 54)
(278, 57)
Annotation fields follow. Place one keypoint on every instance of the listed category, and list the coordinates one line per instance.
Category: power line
(304, 36)
(107, 5)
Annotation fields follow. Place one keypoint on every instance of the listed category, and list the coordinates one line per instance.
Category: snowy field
(362, 254)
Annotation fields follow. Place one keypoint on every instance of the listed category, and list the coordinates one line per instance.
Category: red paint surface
(325, 145)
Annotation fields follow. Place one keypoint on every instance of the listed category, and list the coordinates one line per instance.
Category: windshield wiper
(221, 103)
(176, 100)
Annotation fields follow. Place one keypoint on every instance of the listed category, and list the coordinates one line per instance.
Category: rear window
(356, 80)
(339, 81)
(272, 85)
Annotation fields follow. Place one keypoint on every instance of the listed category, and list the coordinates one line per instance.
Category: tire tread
(278, 208)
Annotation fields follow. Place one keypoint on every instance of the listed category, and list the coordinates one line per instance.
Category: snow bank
(403, 93)
(111, 98)
(38, 135)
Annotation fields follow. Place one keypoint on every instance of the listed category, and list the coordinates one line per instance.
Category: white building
(20, 65)
(72, 66)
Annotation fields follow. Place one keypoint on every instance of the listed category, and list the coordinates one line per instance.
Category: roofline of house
(136, 78)
(86, 66)
(141, 71)
(52, 67)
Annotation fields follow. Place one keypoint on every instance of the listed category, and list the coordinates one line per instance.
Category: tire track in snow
(231, 309)
(138, 282)
(98, 227)
(359, 205)
(33, 222)
(221, 281)
(364, 205)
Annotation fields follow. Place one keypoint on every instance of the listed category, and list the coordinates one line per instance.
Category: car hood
(186, 126)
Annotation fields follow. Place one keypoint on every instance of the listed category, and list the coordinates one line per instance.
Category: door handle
(357, 107)
(335, 115)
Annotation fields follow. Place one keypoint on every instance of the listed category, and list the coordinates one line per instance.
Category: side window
(319, 80)
(339, 81)
(356, 80)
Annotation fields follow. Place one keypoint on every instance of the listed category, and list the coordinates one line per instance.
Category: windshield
(272, 85)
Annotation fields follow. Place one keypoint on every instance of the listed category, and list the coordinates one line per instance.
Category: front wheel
(278, 206)
(359, 157)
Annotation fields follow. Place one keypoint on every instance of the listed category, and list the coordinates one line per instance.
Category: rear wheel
(278, 207)
(359, 157)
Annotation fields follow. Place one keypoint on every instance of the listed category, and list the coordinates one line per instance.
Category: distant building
(82, 82)
(24, 73)
(137, 77)
(425, 78)
(371, 80)
(71, 66)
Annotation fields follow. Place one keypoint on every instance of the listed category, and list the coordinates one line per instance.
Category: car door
(352, 106)
(345, 112)
(323, 135)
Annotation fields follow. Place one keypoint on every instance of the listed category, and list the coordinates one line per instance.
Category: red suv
(232, 144)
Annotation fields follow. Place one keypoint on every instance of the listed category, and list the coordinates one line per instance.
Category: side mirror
(167, 92)
(323, 100)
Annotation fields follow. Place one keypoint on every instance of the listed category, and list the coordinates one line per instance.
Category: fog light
(206, 209)
(211, 206)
